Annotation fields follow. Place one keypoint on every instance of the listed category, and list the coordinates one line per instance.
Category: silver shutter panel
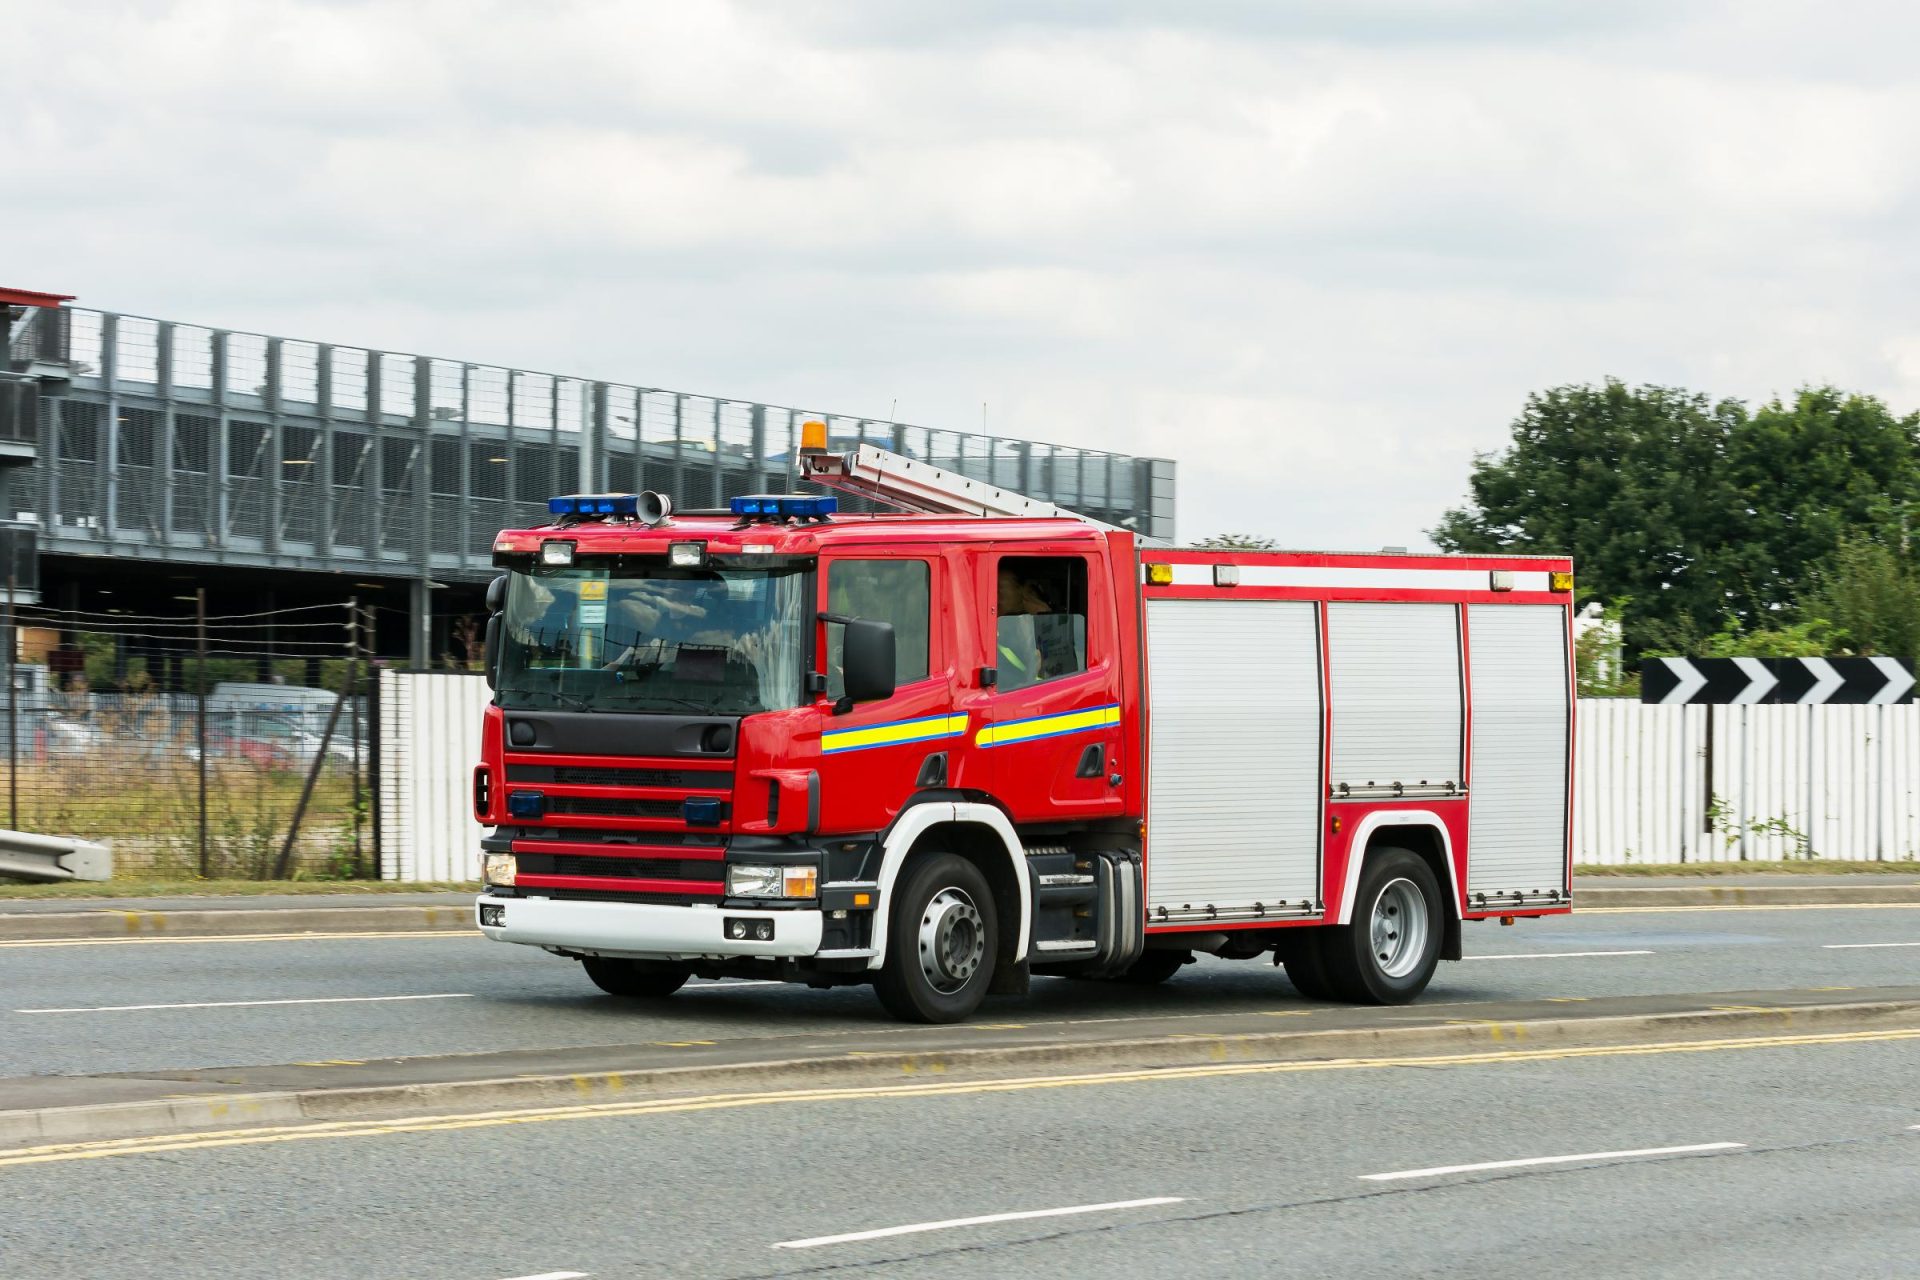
(1396, 696)
(1233, 799)
(1518, 828)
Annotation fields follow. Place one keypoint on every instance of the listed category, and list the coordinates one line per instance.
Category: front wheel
(941, 942)
(643, 979)
(1154, 967)
(1387, 955)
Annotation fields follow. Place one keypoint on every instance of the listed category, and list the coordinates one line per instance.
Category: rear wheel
(1307, 966)
(1388, 953)
(942, 938)
(648, 979)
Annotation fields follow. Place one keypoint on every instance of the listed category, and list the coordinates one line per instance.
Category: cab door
(1052, 732)
(875, 755)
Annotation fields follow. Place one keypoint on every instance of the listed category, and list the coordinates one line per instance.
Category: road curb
(185, 1114)
(1708, 894)
(57, 926)
(100, 922)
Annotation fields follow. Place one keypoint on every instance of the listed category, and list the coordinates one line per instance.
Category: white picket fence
(1787, 782)
(429, 742)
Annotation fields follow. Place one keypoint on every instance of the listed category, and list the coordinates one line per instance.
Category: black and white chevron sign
(1776, 680)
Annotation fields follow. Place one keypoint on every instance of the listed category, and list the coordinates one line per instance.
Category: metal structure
(161, 441)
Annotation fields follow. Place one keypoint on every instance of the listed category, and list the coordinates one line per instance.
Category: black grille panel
(569, 864)
(598, 776)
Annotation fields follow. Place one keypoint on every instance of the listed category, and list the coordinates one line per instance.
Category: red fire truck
(946, 750)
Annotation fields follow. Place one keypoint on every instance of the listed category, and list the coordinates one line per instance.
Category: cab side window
(1041, 625)
(896, 591)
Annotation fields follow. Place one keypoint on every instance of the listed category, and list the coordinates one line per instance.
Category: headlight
(745, 880)
(555, 552)
(497, 868)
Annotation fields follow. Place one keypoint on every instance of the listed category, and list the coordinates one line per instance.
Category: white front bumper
(647, 929)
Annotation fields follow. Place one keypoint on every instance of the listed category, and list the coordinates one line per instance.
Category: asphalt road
(87, 1009)
(1797, 1161)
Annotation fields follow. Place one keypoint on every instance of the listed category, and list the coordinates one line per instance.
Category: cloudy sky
(1316, 250)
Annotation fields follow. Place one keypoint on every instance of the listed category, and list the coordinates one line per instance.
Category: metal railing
(180, 442)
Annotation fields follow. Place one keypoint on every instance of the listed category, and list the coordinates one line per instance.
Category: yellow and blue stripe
(893, 734)
(1029, 730)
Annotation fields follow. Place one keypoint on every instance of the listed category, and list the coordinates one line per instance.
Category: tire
(1153, 968)
(636, 979)
(1388, 953)
(1307, 967)
(942, 940)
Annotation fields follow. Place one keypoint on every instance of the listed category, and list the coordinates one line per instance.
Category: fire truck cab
(945, 752)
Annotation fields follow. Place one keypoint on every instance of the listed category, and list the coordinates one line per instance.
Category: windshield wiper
(684, 704)
(572, 701)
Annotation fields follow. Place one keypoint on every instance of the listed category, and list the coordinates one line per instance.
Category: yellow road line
(730, 1101)
(237, 937)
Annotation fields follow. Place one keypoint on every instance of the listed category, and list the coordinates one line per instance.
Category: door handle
(1093, 762)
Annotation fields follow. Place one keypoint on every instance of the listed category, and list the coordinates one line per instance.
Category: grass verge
(1802, 866)
(135, 887)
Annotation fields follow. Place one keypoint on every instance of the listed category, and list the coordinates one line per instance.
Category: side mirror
(491, 654)
(868, 659)
(497, 594)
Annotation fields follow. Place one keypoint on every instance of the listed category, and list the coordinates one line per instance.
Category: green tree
(1871, 592)
(1710, 525)
(1239, 542)
(1812, 475)
(1631, 482)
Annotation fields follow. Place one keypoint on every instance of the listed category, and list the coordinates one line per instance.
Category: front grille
(598, 776)
(567, 864)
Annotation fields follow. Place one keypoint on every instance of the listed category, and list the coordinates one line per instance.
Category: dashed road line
(949, 1224)
(1440, 1171)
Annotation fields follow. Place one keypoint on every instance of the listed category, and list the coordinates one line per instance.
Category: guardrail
(34, 857)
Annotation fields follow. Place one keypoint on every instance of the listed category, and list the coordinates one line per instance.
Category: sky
(1317, 251)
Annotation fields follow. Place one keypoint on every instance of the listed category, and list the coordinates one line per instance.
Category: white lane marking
(247, 1004)
(555, 1275)
(917, 1227)
(1863, 946)
(1558, 955)
(1439, 1170)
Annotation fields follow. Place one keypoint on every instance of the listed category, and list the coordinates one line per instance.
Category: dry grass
(1802, 867)
(150, 887)
(149, 810)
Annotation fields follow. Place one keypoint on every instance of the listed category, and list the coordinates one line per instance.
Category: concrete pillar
(420, 624)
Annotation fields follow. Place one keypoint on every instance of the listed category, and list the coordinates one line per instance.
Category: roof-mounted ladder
(922, 488)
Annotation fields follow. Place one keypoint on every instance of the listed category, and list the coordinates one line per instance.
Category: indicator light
(1160, 575)
(1560, 580)
(813, 436)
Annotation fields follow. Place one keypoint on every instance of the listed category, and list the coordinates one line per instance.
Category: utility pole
(353, 698)
(13, 719)
(200, 684)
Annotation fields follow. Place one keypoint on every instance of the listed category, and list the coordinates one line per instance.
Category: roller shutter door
(1396, 697)
(1233, 799)
(1518, 829)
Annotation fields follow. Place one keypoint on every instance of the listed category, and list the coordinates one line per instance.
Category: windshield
(714, 641)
